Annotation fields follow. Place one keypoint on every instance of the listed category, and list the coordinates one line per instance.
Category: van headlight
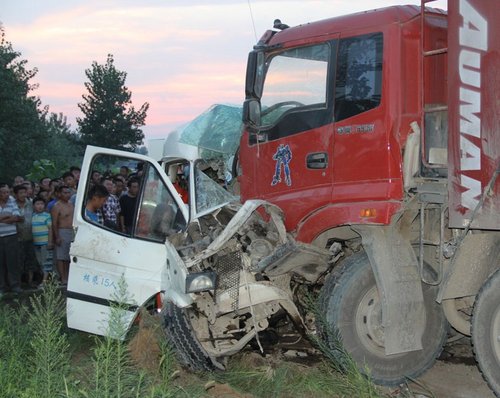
(200, 281)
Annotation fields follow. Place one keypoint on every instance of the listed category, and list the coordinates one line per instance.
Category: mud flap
(395, 266)
(474, 261)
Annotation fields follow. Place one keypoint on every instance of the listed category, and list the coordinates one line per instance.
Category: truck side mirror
(255, 74)
(251, 114)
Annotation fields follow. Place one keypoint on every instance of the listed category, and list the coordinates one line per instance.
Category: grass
(336, 374)
(40, 357)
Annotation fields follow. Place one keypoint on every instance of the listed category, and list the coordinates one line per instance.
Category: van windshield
(210, 189)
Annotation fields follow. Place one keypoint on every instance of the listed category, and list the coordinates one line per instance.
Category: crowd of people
(36, 223)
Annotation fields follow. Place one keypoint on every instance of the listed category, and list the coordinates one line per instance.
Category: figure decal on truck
(283, 156)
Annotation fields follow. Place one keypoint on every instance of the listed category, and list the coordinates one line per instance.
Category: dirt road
(455, 375)
(450, 380)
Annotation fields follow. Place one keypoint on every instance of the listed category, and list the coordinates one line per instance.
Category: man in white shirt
(9, 216)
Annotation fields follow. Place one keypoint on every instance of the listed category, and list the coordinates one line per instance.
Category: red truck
(378, 135)
(369, 179)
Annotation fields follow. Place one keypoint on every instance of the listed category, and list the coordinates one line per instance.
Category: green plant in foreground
(14, 343)
(336, 376)
(113, 375)
(350, 381)
(49, 356)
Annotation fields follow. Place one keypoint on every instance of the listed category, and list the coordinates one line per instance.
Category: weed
(113, 375)
(350, 380)
(14, 343)
(336, 376)
(49, 356)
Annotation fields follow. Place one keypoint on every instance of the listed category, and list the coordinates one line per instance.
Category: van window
(159, 215)
(150, 212)
(210, 190)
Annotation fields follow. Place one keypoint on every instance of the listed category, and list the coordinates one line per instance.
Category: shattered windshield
(216, 132)
(295, 78)
(210, 191)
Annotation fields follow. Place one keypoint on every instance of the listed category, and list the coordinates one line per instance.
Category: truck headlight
(200, 281)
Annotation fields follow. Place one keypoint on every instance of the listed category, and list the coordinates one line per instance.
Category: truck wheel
(486, 331)
(350, 303)
(181, 336)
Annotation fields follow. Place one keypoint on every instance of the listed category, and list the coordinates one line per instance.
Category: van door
(116, 264)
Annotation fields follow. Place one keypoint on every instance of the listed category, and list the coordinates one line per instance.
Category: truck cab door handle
(318, 160)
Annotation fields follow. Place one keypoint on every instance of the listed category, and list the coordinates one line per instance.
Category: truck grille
(228, 271)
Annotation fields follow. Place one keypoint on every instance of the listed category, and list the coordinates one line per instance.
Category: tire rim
(369, 322)
(495, 337)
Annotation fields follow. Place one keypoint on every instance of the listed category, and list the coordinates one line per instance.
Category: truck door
(361, 149)
(293, 150)
(105, 256)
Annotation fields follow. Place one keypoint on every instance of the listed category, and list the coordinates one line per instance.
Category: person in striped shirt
(41, 226)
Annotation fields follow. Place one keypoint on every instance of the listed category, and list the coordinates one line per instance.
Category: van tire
(180, 335)
(350, 305)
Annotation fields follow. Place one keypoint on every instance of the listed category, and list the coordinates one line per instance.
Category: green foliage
(20, 122)
(109, 119)
(42, 168)
(61, 145)
(34, 362)
(34, 353)
(27, 131)
(48, 360)
(269, 378)
(14, 343)
(350, 381)
(113, 374)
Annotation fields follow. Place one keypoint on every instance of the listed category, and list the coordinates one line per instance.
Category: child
(41, 225)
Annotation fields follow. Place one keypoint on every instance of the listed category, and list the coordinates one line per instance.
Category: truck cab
(328, 113)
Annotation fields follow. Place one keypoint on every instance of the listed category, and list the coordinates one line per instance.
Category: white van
(217, 270)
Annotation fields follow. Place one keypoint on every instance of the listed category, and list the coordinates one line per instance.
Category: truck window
(295, 92)
(358, 85)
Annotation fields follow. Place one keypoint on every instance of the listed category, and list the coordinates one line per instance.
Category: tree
(21, 126)
(63, 146)
(109, 119)
(28, 132)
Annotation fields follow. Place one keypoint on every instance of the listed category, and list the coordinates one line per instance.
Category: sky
(180, 56)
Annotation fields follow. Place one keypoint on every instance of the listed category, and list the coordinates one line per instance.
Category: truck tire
(350, 303)
(180, 335)
(486, 331)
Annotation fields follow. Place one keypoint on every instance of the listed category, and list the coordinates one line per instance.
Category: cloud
(181, 56)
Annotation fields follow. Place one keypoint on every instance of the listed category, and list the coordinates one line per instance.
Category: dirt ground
(455, 375)
(455, 380)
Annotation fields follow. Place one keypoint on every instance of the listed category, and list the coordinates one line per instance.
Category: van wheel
(351, 305)
(180, 335)
(486, 331)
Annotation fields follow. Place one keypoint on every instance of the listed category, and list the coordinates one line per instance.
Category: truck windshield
(295, 78)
